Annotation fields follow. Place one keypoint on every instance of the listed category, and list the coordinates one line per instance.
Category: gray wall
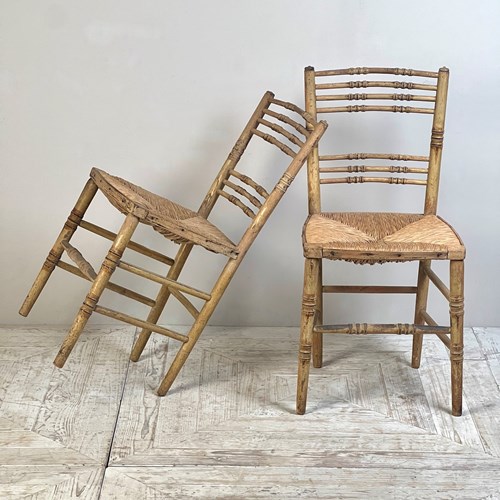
(158, 91)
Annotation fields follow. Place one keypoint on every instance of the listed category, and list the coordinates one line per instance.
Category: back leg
(71, 225)
(161, 301)
(420, 308)
(317, 341)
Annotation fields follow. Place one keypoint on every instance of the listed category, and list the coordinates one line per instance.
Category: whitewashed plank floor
(375, 428)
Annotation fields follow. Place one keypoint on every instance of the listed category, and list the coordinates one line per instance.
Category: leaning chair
(280, 124)
(368, 238)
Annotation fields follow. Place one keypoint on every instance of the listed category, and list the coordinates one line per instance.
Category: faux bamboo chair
(368, 238)
(270, 121)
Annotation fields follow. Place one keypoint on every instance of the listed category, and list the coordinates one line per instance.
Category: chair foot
(176, 366)
(73, 335)
(303, 379)
(140, 344)
(416, 352)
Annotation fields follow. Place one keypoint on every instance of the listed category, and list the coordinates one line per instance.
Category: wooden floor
(375, 428)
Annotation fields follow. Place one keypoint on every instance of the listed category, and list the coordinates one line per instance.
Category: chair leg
(200, 323)
(108, 267)
(306, 331)
(69, 228)
(161, 301)
(456, 334)
(420, 308)
(317, 341)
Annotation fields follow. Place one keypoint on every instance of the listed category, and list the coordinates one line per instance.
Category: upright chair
(371, 237)
(294, 136)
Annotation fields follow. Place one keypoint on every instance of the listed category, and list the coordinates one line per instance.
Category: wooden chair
(368, 238)
(294, 135)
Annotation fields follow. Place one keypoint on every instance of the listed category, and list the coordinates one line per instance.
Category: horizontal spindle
(377, 70)
(136, 247)
(396, 169)
(392, 328)
(381, 84)
(139, 271)
(84, 266)
(362, 109)
(275, 142)
(368, 289)
(110, 313)
(292, 107)
(286, 119)
(236, 201)
(277, 128)
(250, 182)
(382, 180)
(243, 192)
(380, 97)
(126, 292)
(373, 156)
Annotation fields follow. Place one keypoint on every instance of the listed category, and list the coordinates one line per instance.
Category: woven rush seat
(174, 221)
(353, 236)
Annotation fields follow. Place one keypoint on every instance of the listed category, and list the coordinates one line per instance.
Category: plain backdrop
(157, 92)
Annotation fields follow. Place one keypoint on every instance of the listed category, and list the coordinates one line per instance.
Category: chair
(272, 122)
(368, 238)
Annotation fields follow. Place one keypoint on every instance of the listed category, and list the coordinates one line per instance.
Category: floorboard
(374, 427)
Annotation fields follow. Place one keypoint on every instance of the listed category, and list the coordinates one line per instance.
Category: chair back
(326, 93)
(292, 131)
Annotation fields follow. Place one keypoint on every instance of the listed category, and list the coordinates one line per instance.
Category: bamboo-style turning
(378, 97)
(84, 266)
(184, 226)
(395, 169)
(363, 108)
(375, 83)
(373, 237)
(394, 328)
(250, 182)
(377, 70)
(383, 180)
(275, 142)
(373, 156)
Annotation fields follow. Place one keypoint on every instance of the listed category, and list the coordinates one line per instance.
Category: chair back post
(280, 188)
(313, 181)
(436, 147)
(234, 156)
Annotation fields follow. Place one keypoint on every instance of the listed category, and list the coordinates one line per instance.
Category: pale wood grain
(66, 417)
(376, 429)
(488, 339)
(483, 396)
(42, 483)
(291, 483)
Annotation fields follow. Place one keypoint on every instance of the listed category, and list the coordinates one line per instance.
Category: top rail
(292, 107)
(376, 70)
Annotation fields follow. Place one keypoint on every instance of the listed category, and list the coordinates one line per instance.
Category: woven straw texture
(174, 221)
(379, 233)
